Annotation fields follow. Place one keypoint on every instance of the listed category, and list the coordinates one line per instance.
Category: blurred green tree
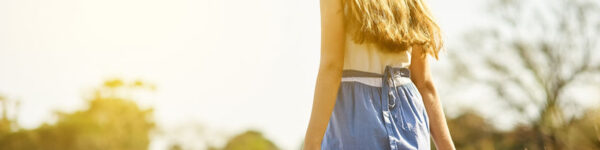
(109, 122)
(536, 55)
(250, 140)
(471, 132)
(582, 133)
(8, 123)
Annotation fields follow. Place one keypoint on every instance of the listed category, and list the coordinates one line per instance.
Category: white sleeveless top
(366, 57)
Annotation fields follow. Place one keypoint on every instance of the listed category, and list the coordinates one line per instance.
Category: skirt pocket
(410, 110)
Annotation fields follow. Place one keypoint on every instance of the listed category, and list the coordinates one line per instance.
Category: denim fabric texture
(378, 112)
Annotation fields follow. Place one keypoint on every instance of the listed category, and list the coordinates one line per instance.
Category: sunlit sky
(229, 65)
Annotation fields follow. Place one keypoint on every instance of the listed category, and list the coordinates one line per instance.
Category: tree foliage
(536, 56)
(109, 122)
(250, 140)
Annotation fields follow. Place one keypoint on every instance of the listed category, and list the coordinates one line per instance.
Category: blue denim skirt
(378, 112)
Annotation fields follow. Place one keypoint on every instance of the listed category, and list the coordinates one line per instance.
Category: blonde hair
(393, 25)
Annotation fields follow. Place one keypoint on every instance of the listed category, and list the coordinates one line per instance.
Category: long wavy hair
(393, 25)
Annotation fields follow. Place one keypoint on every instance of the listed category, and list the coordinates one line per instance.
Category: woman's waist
(398, 74)
(373, 67)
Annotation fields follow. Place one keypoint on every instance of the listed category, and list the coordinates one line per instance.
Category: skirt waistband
(400, 76)
(398, 71)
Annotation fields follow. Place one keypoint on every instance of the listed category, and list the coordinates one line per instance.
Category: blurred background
(237, 74)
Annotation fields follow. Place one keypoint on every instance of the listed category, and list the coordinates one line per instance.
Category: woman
(374, 89)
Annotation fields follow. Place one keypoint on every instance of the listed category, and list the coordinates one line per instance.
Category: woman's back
(369, 58)
(364, 96)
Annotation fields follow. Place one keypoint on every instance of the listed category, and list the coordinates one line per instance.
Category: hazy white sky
(227, 64)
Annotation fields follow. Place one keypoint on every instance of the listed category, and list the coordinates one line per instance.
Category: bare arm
(421, 76)
(330, 71)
